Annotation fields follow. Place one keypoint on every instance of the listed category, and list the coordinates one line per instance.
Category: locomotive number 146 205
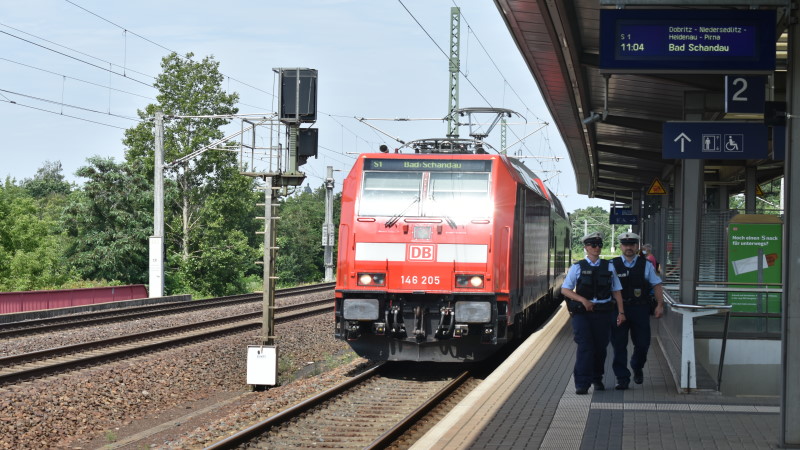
(420, 279)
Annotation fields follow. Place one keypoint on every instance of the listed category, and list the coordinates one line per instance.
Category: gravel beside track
(102, 405)
(44, 341)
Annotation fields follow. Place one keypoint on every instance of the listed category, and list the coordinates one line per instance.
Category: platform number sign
(745, 94)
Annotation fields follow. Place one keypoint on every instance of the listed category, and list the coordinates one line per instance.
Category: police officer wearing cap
(592, 289)
(639, 283)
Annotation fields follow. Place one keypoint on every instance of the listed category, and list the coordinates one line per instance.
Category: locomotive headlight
(371, 279)
(476, 281)
(469, 281)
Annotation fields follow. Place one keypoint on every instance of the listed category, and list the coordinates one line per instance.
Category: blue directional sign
(687, 41)
(745, 94)
(622, 216)
(714, 140)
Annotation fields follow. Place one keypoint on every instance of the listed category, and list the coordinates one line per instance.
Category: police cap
(592, 238)
(628, 238)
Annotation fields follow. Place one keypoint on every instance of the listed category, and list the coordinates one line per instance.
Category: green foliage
(110, 221)
(49, 180)
(210, 208)
(55, 234)
(588, 220)
(299, 237)
(769, 203)
(31, 244)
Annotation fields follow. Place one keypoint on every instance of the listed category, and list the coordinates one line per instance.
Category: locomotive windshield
(426, 188)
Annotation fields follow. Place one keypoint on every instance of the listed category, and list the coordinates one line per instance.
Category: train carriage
(444, 256)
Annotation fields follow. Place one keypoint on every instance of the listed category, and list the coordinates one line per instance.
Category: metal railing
(685, 328)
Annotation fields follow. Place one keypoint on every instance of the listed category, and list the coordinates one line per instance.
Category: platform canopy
(612, 123)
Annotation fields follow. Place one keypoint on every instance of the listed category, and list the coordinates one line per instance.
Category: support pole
(455, 65)
(328, 236)
(790, 305)
(750, 184)
(268, 319)
(156, 247)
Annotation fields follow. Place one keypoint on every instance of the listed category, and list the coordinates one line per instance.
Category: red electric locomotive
(444, 254)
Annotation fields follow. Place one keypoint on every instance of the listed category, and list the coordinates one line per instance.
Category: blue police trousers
(637, 323)
(591, 331)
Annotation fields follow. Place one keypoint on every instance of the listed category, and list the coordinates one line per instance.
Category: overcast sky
(78, 70)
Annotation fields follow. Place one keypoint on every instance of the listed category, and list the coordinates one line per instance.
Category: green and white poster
(754, 256)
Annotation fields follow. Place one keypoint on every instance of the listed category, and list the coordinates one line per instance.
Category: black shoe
(622, 384)
(582, 390)
(599, 386)
(638, 376)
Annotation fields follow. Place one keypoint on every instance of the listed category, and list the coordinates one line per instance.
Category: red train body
(444, 256)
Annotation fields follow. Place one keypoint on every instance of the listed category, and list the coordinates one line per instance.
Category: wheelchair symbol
(734, 143)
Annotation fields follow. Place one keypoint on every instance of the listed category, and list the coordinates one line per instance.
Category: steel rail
(260, 428)
(382, 441)
(137, 312)
(254, 322)
(407, 422)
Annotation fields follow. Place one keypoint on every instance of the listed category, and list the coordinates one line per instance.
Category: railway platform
(530, 402)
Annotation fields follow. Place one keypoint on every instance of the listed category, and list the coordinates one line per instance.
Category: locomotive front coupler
(353, 330)
(446, 322)
(394, 321)
(419, 323)
(488, 336)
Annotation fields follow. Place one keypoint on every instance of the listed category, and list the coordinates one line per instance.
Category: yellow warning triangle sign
(759, 192)
(656, 188)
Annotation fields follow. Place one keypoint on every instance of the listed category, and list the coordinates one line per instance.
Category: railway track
(370, 410)
(29, 327)
(42, 363)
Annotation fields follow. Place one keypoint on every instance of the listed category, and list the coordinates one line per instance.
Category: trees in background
(209, 207)
(54, 234)
(32, 244)
(299, 237)
(588, 220)
(109, 221)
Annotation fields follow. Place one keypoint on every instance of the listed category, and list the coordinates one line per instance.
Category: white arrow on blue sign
(714, 140)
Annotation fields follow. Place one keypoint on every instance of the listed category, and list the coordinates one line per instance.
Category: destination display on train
(699, 41)
(428, 165)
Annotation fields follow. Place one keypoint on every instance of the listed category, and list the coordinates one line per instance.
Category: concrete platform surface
(530, 402)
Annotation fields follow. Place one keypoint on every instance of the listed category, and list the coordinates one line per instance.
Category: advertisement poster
(754, 256)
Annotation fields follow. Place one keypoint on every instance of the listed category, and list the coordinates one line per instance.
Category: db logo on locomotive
(417, 252)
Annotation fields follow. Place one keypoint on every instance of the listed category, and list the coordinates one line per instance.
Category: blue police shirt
(574, 271)
(649, 271)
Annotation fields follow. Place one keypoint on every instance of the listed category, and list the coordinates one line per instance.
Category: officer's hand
(659, 311)
(620, 319)
(588, 305)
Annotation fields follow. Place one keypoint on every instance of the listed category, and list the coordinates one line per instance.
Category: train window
(391, 193)
(458, 194)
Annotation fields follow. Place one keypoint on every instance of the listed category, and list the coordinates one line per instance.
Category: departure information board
(687, 41)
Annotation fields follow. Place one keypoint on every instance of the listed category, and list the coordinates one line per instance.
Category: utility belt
(576, 307)
(639, 301)
(649, 301)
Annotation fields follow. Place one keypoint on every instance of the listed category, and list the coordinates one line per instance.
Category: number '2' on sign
(745, 94)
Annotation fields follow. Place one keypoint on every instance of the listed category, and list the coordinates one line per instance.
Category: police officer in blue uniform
(592, 289)
(639, 284)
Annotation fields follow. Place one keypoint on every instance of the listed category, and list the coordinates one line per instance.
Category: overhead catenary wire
(126, 30)
(61, 103)
(77, 79)
(460, 70)
(64, 115)
(76, 58)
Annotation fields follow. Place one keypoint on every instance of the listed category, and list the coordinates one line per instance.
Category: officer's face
(594, 248)
(629, 250)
